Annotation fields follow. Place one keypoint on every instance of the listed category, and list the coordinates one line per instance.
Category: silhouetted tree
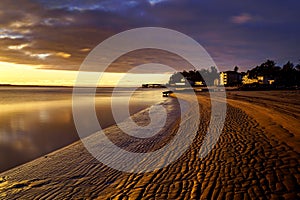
(236, 69)
(207, 76)
(288, 75)
(267, 68)
(175, 78)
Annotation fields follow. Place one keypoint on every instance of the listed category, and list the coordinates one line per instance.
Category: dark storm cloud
(59, 34)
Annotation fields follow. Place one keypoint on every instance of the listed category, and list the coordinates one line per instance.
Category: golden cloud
(17, 47)
(63, 55)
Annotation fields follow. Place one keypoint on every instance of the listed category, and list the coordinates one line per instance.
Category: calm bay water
(37, 120)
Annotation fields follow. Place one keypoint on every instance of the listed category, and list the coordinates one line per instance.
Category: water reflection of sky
(32, 126)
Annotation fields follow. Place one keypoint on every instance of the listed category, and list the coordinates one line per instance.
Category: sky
(45, 42)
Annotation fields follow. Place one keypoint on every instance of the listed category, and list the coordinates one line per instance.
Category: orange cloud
(63, 55)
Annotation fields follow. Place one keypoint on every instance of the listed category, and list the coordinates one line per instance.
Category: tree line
(286, 75)
(206, 76)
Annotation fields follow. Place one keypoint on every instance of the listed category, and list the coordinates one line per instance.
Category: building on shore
(230, 78)
(265, 80)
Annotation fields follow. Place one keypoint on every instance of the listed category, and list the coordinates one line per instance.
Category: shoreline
(136, 117)
(38, 122)
(65, 163)
(247, 162)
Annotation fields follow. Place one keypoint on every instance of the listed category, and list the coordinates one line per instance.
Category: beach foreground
(257, 156)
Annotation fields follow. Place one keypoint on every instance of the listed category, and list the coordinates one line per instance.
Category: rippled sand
(256, 157)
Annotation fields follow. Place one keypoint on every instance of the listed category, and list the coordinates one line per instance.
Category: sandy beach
(256, 157)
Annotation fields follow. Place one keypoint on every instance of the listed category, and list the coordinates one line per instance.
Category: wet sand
(257, 157)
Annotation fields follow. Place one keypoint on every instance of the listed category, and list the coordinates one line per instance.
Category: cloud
(85, 49)
(154, 2)
(66, 31)
(41, 56)
(63, 54)
(91, 5)
(242, 18)
(52, 21)
(18, 47)
(10, 35)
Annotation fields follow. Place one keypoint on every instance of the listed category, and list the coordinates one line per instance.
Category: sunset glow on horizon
(22, 74)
